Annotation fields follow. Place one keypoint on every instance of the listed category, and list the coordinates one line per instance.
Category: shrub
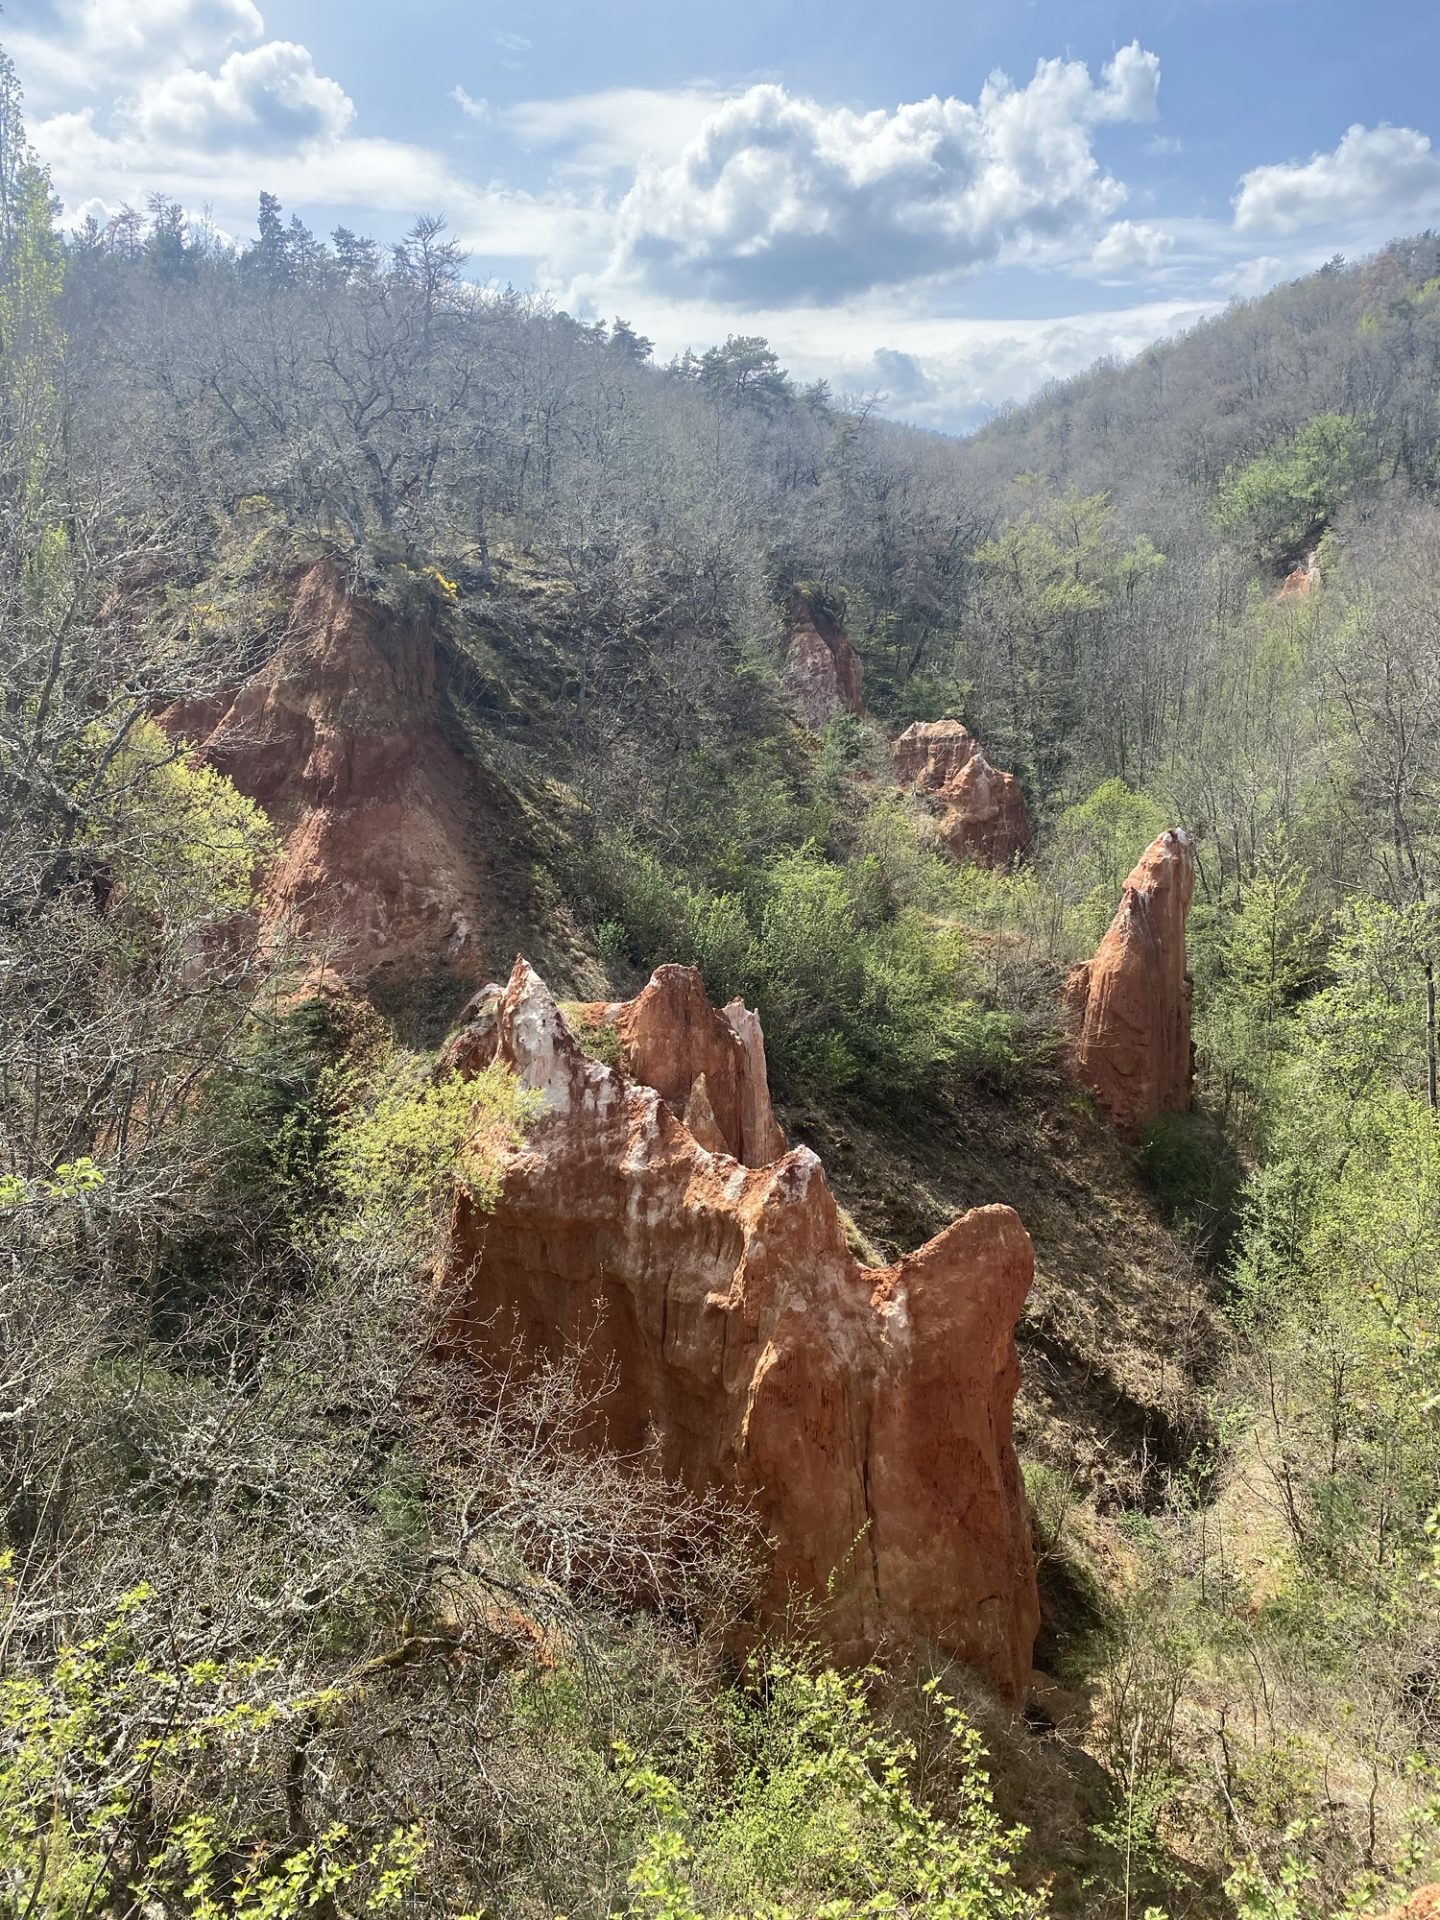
(406, 1137)
(818, 1816)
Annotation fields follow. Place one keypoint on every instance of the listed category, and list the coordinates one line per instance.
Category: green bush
(812, 1812)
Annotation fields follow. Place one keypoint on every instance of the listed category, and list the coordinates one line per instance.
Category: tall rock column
(1131, 1001)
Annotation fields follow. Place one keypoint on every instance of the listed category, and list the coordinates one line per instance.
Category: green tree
(1280, 503)
(746, 369)
(1267, 951)
(1050, 577)
(31, 276)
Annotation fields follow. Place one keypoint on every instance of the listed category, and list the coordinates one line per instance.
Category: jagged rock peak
(338, 738)
(673, 1040)
(1131, 1001)
(981, 812)
(864, 1412)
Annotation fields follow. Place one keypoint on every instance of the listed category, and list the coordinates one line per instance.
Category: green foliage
(406, 1136)
(598, 1039)
(817, 1819)
(1340, 1277)
(1050, 576)
(183, 844)
(71, 1180)
(854, 990)
(1191, 1166)
(1265, 953)
(1286, 1894)
(1093, 848)
(1281, 502)
(746, 370)
(122, 1781)
(32, 272)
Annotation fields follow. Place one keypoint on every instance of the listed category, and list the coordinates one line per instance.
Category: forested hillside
(305, 1610)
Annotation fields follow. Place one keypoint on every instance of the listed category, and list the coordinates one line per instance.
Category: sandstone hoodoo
(865, 1412)
(1131, 1001)
(336, 737)
(823, 672)
(981, 811)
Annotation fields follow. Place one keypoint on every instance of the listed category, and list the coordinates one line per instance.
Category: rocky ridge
(823, 673)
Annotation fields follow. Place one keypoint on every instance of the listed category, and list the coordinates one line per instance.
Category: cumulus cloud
(100, 43)
(779, 198)
(1257, 276)
(952, 375)
(1374, 171)
(1131, 246)
(901, 378)
(269, 97)
(183, 107)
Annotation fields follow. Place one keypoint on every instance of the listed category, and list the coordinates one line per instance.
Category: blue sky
(949, 204)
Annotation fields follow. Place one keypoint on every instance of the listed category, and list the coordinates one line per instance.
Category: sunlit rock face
(1130, 1003)
(824, 675)
(980, 811)
(863, 1413)
(708, 1065)
(337, 738)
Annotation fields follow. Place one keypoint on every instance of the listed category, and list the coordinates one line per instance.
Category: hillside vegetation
(297, 1618)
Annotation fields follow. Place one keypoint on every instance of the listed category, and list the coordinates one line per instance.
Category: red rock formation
(866, 1413)
(1424, 1905)
(1131, 1002)
(823, 672)
(336, 738)
(698, 1060)
(1302, 581)
(982, 813)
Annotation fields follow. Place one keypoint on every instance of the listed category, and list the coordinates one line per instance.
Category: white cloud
(1252, 277)
(468, 104)
(1374, 171)
(374, 176)
(268, 97)
(103, 44)
(666, 204)
(779, 198)
(511, 42)
(617, 127)
(1131, 247)
(955, 374)
(1132, 85)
